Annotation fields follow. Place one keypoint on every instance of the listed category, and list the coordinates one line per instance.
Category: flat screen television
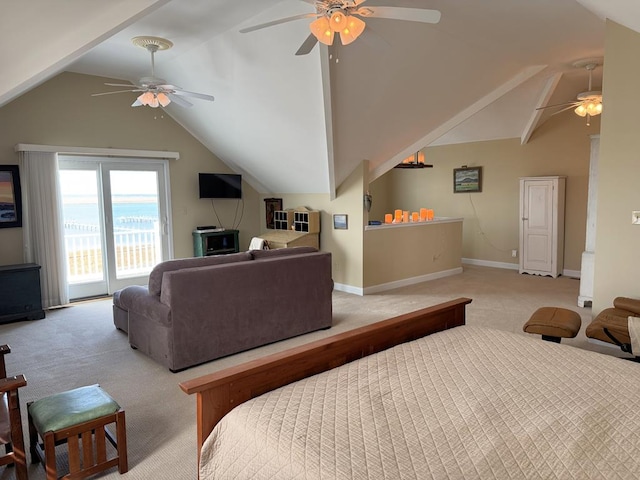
(220, 185)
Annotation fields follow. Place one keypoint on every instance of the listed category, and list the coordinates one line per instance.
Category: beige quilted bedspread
(468, 403)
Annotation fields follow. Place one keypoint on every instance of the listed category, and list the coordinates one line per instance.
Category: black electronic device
(220, 185)
(206, 227)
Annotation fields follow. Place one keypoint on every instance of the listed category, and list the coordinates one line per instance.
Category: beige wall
(561, 146)
(410, 252)
(345, 245)
(617, 269)
(62, 112)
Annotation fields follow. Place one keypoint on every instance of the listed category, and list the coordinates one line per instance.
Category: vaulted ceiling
(303, 123)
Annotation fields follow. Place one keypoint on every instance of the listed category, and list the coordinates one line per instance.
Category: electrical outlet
(635, 217)
(514, 253)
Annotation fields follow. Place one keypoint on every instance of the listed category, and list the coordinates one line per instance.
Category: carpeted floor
(78, 345)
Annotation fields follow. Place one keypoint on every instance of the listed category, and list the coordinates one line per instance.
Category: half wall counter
(397, 255)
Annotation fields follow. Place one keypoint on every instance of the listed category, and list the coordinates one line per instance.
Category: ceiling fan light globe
(154, 103)
(337, 21)
(321, 29)
(163, 99)
(354, 27)
(146, 98)
(581, 110)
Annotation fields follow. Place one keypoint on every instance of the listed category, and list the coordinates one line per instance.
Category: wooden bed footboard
(219, 392)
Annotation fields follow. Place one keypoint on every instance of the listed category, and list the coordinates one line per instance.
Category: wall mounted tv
(220, 185)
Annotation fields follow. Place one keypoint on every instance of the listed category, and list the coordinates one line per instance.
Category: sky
(123, 182)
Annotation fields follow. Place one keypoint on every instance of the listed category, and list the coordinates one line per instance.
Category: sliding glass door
(116, 222)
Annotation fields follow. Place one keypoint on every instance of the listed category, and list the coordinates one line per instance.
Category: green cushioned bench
(77, 417)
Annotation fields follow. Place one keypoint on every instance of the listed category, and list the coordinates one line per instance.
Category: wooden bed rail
(219, 392)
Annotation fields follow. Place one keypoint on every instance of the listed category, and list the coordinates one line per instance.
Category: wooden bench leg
(50, 456)
(33, 439)
(121, 432)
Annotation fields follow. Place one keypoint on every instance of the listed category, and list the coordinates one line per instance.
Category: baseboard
(411, 281)
(513, 266)
(487, 263)
(341, 287)
(571, 273)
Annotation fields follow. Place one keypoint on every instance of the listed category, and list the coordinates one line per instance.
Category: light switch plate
(635, 217)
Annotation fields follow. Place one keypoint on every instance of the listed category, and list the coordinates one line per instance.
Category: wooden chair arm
(4, 349)
(12, 383)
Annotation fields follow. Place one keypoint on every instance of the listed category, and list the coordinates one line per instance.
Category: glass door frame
(103, 166)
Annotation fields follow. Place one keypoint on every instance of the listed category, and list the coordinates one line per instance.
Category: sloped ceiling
(303, 123)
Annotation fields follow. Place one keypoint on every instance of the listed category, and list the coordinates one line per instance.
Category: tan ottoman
(553, 323)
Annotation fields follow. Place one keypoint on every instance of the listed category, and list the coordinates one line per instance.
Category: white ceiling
(302, 123)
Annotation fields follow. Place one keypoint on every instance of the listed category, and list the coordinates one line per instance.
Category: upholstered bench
(553, 323)
(77, 417)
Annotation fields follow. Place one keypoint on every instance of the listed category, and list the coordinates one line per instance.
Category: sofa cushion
(155, 277)
(280, 252)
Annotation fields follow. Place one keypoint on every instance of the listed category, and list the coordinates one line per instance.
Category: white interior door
(537, 225)
(117, 226)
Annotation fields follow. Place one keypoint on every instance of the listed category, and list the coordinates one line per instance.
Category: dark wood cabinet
(20, 296)
(214, 242)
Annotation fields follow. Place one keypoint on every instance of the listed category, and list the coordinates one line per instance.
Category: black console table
(20, 296)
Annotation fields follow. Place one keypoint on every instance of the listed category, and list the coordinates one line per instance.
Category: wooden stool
(82, 413)
(553, 323)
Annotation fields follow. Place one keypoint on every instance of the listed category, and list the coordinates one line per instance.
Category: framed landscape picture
(10, 197)
(340, 221)
(467, 179)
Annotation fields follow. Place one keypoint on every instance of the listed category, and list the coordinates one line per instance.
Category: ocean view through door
(115, 223)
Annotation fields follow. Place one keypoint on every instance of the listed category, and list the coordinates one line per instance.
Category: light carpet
(78, 345)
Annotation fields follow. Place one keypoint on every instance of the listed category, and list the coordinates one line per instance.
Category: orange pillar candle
(430, 214)
(398, 215)
(405, 216)
(423, 214)
(414, 217)
(388, 218)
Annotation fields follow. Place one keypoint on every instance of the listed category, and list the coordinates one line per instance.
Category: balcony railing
(137, 252)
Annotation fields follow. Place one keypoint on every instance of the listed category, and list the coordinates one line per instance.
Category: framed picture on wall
(340, 221)
(10, 197)
(467, 179)
(271, 205)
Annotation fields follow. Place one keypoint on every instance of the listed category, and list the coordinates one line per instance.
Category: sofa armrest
(138, 300)
(128, 296)
(629, 304)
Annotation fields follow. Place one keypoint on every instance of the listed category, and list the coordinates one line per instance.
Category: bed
(422, 396)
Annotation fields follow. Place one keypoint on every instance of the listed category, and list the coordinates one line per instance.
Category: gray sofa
(199, 309)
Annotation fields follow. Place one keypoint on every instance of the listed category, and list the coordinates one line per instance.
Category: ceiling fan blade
(117, 91)
(400, 13)
(277, 22)
(201, 96)
(307, 45)
(122, 85)
(571, 104)
(179, 101)
(574, 105)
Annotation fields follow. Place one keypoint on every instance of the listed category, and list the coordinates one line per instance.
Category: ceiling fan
(342, 17)
(155, 91)
(588, 104)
